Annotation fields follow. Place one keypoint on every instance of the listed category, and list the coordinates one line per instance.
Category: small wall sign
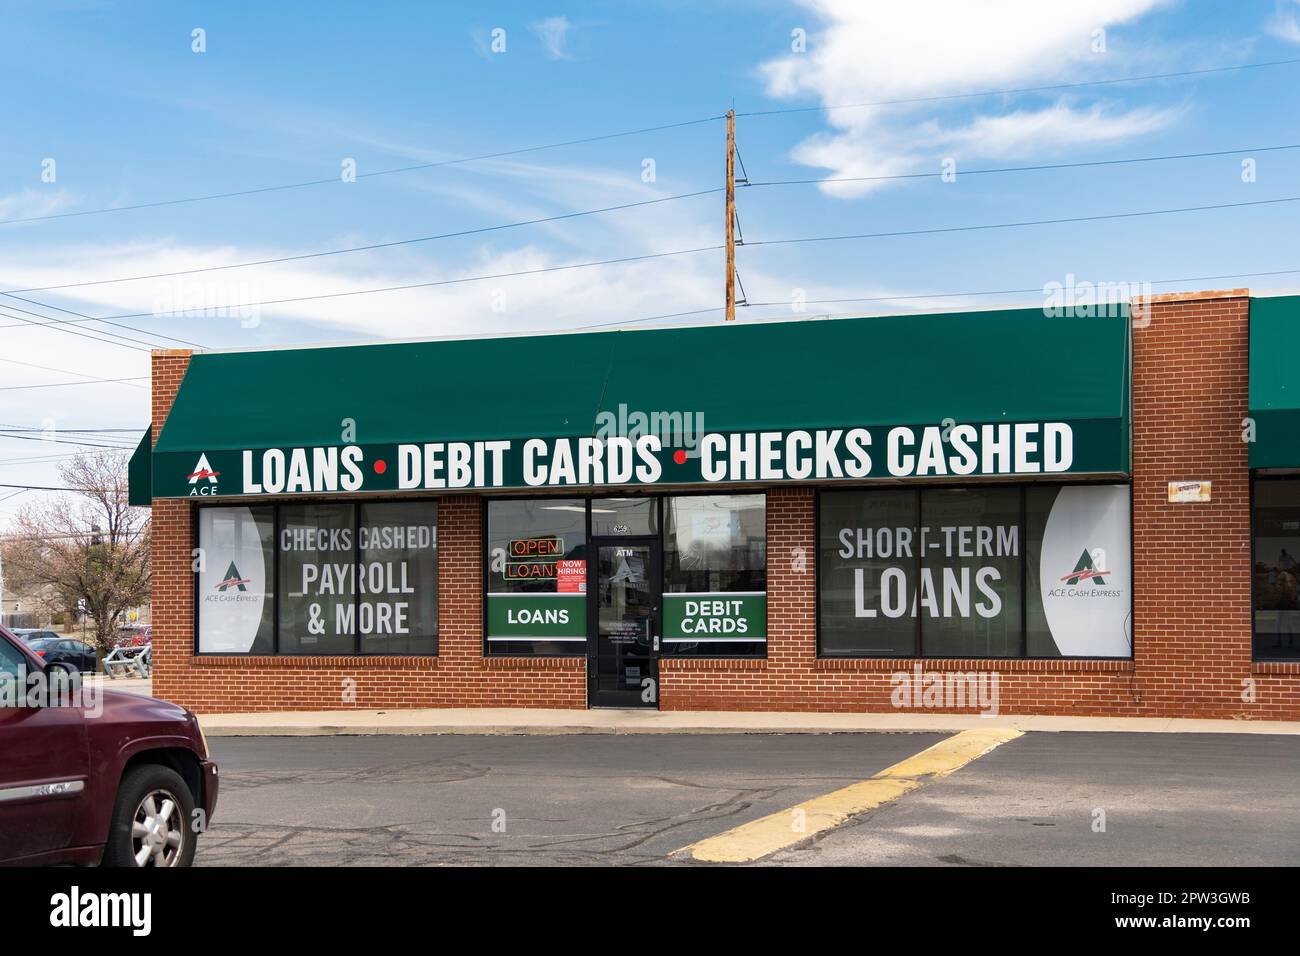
(1188, 492)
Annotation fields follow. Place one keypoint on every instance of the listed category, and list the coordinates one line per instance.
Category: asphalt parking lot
(634, 799)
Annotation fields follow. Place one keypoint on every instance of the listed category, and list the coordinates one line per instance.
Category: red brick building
(1078, 514)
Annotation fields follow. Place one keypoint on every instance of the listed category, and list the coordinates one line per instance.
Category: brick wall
(458, 677)
(1192, 641)
(1191, 631)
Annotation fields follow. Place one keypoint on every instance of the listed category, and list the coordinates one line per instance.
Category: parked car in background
(133, 636)
(120, 786)
(65, 650)
(29, 634)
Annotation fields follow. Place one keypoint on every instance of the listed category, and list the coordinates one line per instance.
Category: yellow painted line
(762, 837)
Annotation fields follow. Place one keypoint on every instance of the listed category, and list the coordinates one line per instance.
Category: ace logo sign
(232, 580)
(1089, 568)
(202, 472)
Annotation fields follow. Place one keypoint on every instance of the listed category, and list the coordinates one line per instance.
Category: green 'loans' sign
(540, 615)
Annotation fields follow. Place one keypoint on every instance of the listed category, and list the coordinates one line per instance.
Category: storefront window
(715, 576)
(614, 517)
(969, 598)
(1079, 571)
(236, 574)
(867, 556)
(317, 579)
(991, 572)
(322, 578)
(397, 600)
(1276, 522)
(537, 577)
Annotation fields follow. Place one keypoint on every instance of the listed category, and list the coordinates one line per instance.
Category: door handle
(653, 639)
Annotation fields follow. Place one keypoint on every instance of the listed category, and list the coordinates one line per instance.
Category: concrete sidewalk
(132, 685)
(609, 721)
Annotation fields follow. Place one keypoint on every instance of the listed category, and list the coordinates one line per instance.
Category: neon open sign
(534, 557)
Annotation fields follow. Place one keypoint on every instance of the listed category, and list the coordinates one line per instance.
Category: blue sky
(115, 95)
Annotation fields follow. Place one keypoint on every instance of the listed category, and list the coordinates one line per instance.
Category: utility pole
(731, 216)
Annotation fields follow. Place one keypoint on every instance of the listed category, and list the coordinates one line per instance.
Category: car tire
(144, 828)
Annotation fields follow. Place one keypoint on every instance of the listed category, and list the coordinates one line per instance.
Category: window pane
(317, 579)
(397, 609)
(537, 577)
(868, 563)
(1079, 571)
(235, 581)
(968, 593)
(715, 575)
(619, 516)
(1277, 544)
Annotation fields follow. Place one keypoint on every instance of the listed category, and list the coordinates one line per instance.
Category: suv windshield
(13, 670)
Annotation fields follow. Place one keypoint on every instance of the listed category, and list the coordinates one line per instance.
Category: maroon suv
(96, 777)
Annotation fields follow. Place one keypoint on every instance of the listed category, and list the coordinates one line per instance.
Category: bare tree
(89, 545)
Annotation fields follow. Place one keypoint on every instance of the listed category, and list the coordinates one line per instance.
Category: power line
(129, 430)
(1030, 222)
(1023, 89)
(1019, 169)
(371, 246)
(1038, 290)
(50, 368)
(129, 328)
(761, 242)
(922, 295)
(63, 441)
(379, 172)
(35, 460)
(93, 381)
(52, 488)
(440, 282)
(122, 535)
(648, 318)
(58, 325)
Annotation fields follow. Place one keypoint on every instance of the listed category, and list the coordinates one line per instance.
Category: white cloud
(30, 203)
(1055, 127)
(546, 300)
(926, 48)
(554, 34)
(1285, 23)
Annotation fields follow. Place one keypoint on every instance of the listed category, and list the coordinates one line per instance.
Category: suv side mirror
(64, 681)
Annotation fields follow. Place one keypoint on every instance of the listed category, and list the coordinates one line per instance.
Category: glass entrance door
(624, 668)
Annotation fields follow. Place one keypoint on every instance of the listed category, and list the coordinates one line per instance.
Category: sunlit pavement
(606, 799)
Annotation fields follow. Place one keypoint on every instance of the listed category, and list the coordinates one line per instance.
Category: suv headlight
(203, 739)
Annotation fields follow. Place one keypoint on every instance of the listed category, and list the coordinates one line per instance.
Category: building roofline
(532, 333)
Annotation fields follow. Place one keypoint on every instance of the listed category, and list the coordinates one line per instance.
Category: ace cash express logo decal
(233, 588)
(1089, 570)
(232, 580)
(202, 470)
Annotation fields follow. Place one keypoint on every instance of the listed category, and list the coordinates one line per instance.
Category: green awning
(1275, 382)
(139, 473)
(996, 367)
